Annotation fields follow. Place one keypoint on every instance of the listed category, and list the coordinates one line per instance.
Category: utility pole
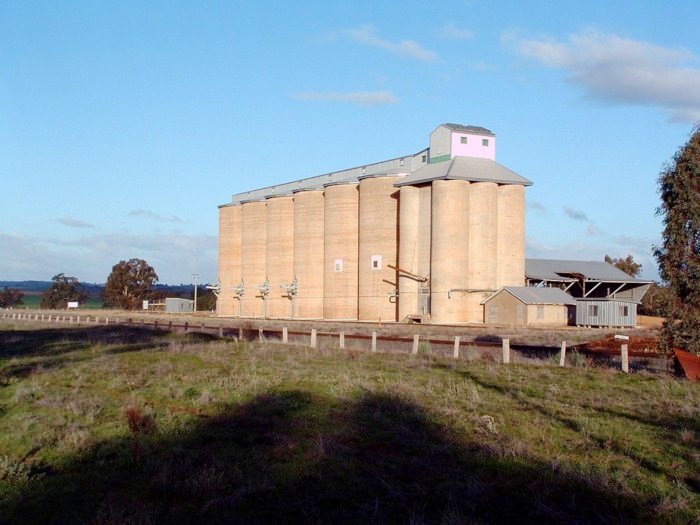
(195, 277)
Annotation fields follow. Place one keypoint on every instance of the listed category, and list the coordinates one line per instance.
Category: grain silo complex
(428, 237)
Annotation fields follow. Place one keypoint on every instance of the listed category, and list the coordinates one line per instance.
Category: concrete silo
(511, 235)
(340, 275)
(253, 256)
(414, 251)
(308, 253)
(378, 244)
(483, 236)
(450, 251)
(280, 254)
(229, 259)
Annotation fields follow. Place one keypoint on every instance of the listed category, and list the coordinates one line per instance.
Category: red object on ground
(689, 362)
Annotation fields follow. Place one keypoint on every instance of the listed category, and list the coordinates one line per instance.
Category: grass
(117, 425)
(33, 302)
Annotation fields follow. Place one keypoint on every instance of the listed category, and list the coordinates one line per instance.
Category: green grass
(115, 425)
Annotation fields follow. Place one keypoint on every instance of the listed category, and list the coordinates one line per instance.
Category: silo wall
(483, 236)
(280, 254)
(229, 259)
(253, 256)
(309, 254)
(378, 243)
(340, 273)
(511, 235)
(409, 249)
(414, 250)
(449, 250)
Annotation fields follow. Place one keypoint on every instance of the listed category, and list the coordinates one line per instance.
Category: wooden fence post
(240, 333)
(187, 325)
(221, 331)
(285, 335)
(562, 354)
(374, 341)
(625, 359)
(506, 351)
(414, 350)
(341, 341)
(456, 350)
(313, 338)
(261, 337)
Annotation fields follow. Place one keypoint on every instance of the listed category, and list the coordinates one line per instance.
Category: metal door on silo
(424, 301)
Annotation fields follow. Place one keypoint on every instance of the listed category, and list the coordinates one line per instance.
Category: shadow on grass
(293, 457)
(49, 348)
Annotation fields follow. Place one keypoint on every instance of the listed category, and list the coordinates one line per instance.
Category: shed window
(424, 158)
(463, 140)
(624, 310)
(540, 311)
(484, 142)
(593, 310)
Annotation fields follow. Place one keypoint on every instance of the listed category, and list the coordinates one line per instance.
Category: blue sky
(124, 124)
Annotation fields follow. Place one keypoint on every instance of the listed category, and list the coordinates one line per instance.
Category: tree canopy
(625, 264)
(130, 283)
(10, 297)
(679, 253)
(63, 290)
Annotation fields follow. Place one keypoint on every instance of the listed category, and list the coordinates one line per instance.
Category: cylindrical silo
(378, 248)
(409, 250)
(449, 259)
(308, 254)
(280, 254)
(253, 256)
(229, 258)
(483, 239)
(511, 235)
(340, 275)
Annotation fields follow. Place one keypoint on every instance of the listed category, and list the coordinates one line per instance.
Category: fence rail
(456, 346)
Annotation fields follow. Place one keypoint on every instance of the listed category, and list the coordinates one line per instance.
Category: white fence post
(455, 354)
(416, 338)
(341, 341)
(285, 335)
(562, 354)
(625, 359)
(506, 351)
(374, 341)
(313, 338)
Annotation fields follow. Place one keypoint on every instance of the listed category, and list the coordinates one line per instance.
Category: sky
(123, 125)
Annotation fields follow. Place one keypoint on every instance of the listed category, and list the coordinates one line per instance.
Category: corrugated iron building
(431, 234)
(530, 306)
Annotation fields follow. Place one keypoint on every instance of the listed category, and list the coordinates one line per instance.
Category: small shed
(529, 306)
(176, 305)
(606, 312)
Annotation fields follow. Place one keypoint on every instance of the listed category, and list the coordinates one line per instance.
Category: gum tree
(130, 283)
(679, 253)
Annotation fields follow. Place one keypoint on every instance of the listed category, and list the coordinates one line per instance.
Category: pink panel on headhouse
(474, 146)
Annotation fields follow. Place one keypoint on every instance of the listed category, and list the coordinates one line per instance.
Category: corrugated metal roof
(465, 168)
(533, 295)
(468, 129)
(563, 270)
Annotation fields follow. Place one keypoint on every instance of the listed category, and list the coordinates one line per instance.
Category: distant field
(124, 425)
(33, 301)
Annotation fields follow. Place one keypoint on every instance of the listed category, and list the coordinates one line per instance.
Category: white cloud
(622, 70)
(147, 214)
(452, 31)
(360, 98)
(74, 223)
(366, 35)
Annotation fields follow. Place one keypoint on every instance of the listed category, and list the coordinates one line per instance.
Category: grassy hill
(117, 425)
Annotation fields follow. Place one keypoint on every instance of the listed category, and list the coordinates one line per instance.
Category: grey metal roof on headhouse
(465, 168)
(469, 129)
(569, 271)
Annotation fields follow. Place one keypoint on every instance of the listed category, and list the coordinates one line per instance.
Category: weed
(13, 470)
